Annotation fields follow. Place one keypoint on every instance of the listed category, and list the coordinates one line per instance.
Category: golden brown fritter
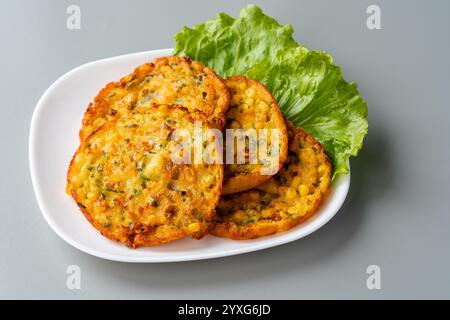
(287, 199)
(167, 80)
(252, 106)
(125, 181)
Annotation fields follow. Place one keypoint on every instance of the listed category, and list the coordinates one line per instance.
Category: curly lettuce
(309, 88)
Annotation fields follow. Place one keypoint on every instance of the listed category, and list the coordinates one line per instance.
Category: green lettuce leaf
(231, 46)
(313, 94)
(309, 88)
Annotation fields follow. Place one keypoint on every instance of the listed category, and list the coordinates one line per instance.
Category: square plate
(54, 138)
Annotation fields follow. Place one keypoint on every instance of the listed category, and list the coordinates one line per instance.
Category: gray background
(397, 212)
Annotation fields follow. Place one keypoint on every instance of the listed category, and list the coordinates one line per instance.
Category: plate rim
(343, 180)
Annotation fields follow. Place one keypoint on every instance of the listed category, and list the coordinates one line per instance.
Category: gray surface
(396, 215)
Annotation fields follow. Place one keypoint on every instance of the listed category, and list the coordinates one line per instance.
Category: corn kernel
(295, 182)
(303, 190)
(291, 194)
(194, 227)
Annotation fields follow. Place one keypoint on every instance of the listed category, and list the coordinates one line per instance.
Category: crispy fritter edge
(243, 181)
(222, 105)
(255, 229)
(144, 239)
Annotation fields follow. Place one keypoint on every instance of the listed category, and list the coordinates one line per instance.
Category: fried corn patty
(287, 199)
(167, 80)
(124, 180)
(252, 106)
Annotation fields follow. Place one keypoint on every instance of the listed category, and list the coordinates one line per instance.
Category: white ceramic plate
(53, 140)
